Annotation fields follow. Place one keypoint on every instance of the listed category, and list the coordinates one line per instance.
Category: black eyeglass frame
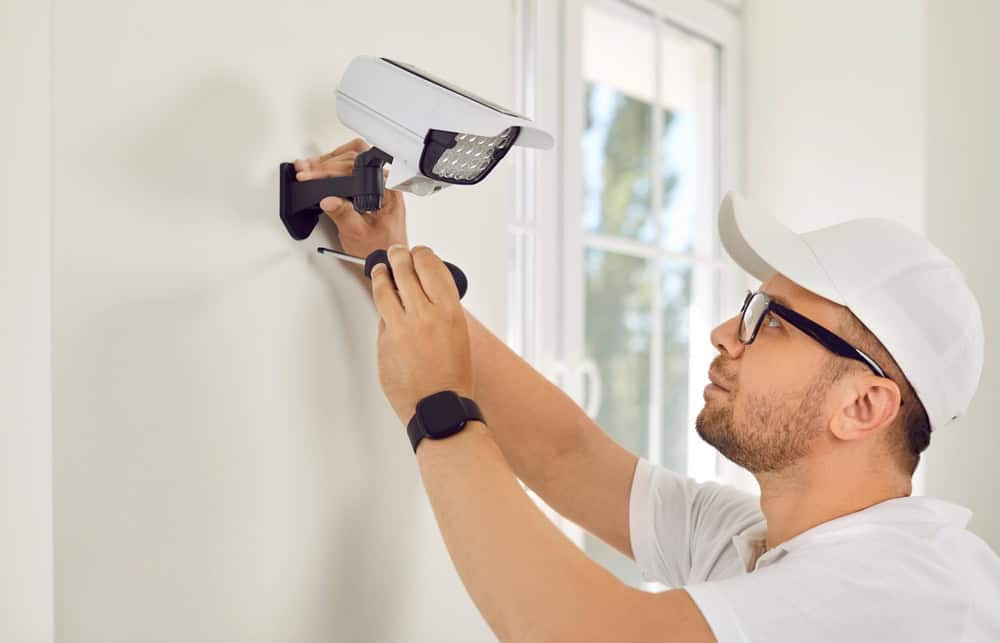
(827, 338)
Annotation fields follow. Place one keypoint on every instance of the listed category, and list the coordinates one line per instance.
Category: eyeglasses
(756, 305)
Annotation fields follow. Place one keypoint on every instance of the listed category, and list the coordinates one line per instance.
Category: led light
(472, 156)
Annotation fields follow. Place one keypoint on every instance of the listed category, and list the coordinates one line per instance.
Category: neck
(810, 493)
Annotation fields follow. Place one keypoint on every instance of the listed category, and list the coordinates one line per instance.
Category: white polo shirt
(905, 569)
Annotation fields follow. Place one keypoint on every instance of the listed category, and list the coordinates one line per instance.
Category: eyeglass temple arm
(827, 338)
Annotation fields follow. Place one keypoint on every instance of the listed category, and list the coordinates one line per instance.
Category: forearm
(536, 424)
(526, 578)
(534, 421)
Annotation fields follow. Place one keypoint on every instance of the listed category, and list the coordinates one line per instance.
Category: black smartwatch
(439, 415)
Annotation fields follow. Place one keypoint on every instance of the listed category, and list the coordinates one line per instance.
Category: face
(772, 412)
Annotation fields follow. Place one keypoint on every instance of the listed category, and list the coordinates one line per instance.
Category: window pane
(619, 51)
(635, 71)
(675, 298)
(616, 149)
(616, 155)
(618, 327)
(618, 319)
(708, 282)
(689, 67)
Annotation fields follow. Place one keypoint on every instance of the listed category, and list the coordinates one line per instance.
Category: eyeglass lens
(753, 310)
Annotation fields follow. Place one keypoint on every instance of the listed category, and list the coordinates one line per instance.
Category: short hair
(910, 433)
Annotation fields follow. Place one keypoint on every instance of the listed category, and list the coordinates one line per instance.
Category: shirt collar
(903, 510)
(746, 540)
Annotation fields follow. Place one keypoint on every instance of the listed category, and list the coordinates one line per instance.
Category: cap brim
(762, 246)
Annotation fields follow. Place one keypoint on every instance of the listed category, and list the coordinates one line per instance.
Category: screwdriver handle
(381, 256)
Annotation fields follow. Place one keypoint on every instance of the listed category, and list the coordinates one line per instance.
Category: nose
(725, 337)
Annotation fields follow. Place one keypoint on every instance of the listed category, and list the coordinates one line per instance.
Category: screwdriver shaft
(343, 255)
(380, 256)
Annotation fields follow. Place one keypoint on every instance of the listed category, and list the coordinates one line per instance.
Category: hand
(360, 234)
(423, 337)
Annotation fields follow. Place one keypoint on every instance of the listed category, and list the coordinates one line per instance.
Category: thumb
(341, 211)
(331, 204)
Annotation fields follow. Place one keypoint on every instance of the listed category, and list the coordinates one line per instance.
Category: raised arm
(548, 440)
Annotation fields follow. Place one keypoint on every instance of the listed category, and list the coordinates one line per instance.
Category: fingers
(435, 278)
(340, 166)
(339, 162)
(417, 273)
(352, 147)
(356, 145)
(410, 291)
(336, 207)
(311, 169)
(386, 300)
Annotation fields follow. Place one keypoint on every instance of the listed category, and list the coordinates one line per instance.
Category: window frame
(546, 298)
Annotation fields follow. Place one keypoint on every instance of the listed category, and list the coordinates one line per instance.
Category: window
(618, 276)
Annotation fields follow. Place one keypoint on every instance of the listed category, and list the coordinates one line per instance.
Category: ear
(865, 406)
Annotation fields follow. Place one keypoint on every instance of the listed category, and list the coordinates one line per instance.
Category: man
(862, 339)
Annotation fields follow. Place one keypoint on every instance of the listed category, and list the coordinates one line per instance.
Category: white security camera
(433, 134)
(438, 134)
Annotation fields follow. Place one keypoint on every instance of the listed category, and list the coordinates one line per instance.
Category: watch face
(441, 414)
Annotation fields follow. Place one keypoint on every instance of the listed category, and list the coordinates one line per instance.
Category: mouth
(715, 381)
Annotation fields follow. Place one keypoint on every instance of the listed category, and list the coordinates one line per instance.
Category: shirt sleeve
(679, 526)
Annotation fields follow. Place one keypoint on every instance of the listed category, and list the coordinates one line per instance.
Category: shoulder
(860, 583)
(682, 529)
(700, 503)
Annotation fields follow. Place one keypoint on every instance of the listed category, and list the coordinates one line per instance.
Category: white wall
(888, 109)
(25, 344)
(834, 110)
(963, 154)
(226, 467)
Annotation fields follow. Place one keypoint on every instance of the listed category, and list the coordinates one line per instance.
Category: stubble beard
(772, 436)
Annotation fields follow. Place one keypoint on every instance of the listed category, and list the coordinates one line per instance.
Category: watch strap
(417, 432)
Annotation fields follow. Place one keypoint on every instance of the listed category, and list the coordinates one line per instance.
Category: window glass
(649, 175)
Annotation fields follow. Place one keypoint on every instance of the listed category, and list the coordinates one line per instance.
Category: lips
(714, 380)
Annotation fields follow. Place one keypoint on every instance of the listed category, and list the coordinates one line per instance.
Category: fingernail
(395, 245)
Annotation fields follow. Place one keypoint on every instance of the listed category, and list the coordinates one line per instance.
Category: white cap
(905, 290)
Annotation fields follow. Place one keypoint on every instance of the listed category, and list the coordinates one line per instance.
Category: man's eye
(772, 322)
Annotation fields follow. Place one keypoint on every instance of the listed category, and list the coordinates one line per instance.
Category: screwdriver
(381, 256)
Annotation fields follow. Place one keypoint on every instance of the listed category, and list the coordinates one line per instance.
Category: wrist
(441, 415)
(461, 391)
(473, 431)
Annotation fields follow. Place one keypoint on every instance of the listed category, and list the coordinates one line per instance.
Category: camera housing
(411, 114)
(432, 133)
